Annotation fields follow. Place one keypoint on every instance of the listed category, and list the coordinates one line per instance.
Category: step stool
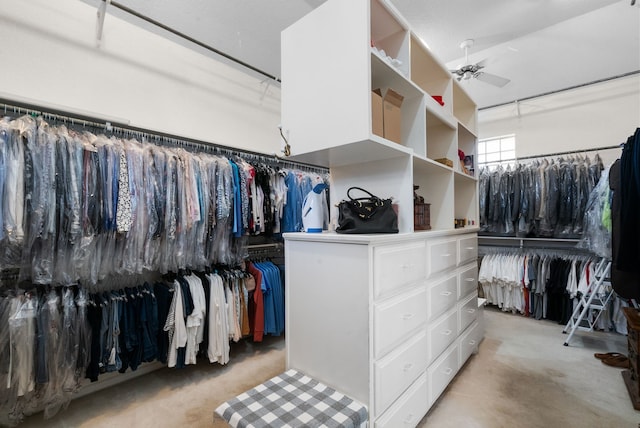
(293, 399)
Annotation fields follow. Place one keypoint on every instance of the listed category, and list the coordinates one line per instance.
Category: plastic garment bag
(597, 219)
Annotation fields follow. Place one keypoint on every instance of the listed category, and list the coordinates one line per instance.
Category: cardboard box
(391, 103)
(377, 124)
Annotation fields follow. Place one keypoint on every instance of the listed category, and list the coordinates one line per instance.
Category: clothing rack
(526, 243)
(568, 152)
(79, 121)
(542, 251)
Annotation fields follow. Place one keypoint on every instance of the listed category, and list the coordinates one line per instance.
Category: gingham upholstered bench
(293, 399)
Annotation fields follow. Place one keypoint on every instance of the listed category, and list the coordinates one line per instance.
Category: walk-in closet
(329, 213)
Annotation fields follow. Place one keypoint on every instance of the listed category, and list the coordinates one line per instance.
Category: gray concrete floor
(522, 377)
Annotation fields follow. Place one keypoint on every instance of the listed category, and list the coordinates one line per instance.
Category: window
(497, 151)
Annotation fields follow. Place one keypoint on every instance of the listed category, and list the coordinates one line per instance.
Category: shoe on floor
(607, 355)
(617, 361)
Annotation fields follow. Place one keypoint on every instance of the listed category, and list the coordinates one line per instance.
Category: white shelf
(329, 70)
(374, 149)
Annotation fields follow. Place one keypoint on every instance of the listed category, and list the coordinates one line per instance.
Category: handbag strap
(362, 190)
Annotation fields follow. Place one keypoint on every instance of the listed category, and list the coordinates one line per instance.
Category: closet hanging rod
(569, 152)
(191, 39)
(275, 245)
(157, 137)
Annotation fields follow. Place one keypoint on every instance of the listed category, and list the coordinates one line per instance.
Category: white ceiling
(540, 45)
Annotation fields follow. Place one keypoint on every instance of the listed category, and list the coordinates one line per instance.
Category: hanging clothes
(535, 284)
(542, 198)
(625, 274)
(79, 207)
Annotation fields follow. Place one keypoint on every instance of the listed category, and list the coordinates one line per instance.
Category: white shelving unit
(387, 319)
(329, 69)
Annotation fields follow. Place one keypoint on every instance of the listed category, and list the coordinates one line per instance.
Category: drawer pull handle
(445, 293)
(407, 316)
(469, 279)
(447, 332)
(409, 419)
(407, 367)
(470, 248)
(447, 371)
(407, 266)
(472, 342)
(471, 311)
(446, 255)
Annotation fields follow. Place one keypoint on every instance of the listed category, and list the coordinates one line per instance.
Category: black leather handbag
(369, 214)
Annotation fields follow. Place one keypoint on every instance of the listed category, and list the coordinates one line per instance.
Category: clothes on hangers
(625, 274)
(545, 199)
(79, 207)
(539, 285)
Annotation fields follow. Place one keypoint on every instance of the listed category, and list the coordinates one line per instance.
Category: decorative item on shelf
(369, 214)
(438, 99)
(468, 165)
(445, 161)
(421, 212)
(394, 62)
(461, 156)
(459, 222)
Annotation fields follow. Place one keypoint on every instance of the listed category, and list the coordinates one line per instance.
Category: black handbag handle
(362, 190)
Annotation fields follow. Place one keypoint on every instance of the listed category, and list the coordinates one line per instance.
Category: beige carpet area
(522, 377)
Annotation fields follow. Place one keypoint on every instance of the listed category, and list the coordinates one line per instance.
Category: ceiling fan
(473, 71)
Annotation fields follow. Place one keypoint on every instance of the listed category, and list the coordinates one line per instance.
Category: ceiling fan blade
(492, 79)
(483, 63)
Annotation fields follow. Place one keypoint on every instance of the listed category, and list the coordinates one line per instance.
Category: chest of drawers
(387, 319)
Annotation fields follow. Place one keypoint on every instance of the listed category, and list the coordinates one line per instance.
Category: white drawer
(442, 372)
(443, 295)
(395, 318)
(468, 280)
(442, 255)
(469, 341)
(409, 409)
(467, 312)
(395, 372)
(442, 333)
(467, 249)
(397, 265)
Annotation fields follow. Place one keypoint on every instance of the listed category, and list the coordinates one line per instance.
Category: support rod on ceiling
(189, 39)
(102, 12)
(631, 73)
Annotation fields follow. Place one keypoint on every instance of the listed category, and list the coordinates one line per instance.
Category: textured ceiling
(540, 45)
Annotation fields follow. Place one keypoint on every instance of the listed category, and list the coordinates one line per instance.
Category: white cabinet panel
(442, 372)
(409, 409)
(467, 311)
(468, 280)
(442, 255)
(442, 296)
(396, 317)
(467, 249)
(442, 333)
(469, 341)
(397, 265)
(395, 372)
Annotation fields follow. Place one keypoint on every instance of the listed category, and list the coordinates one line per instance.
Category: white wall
(48, 55)
(597, 115)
